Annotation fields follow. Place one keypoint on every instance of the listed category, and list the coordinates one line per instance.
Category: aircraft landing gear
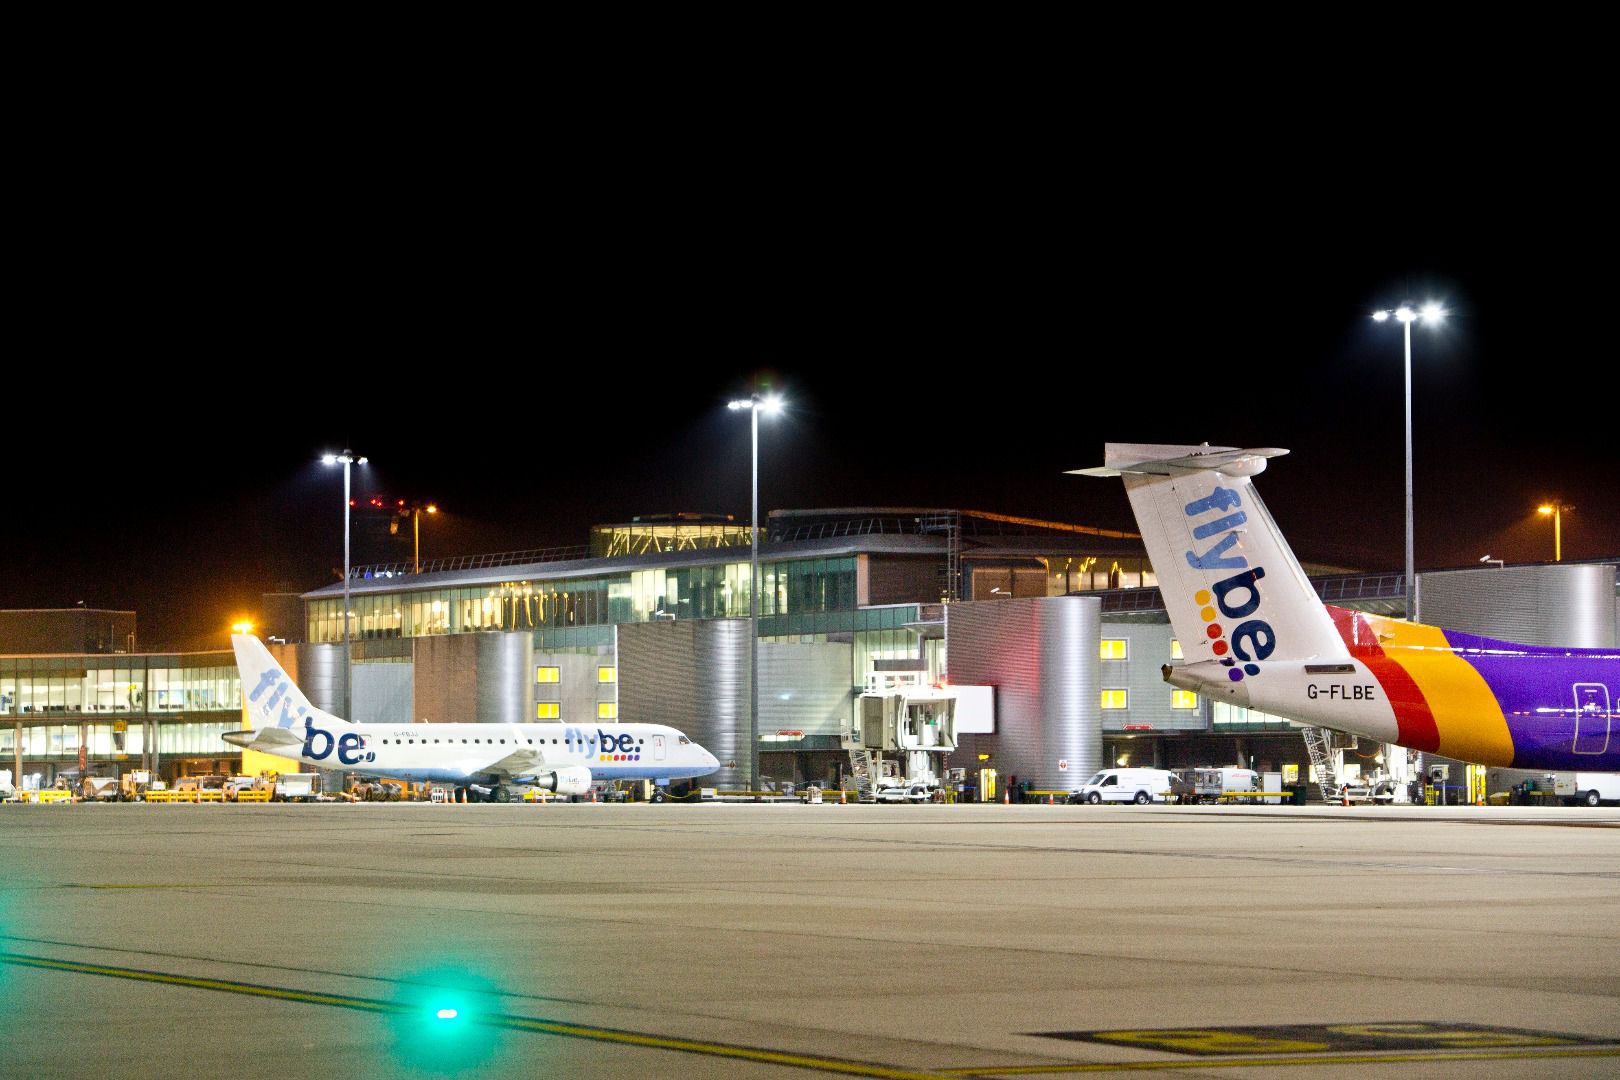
(501, 793)
(658, 795)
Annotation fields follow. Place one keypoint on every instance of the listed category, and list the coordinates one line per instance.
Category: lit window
(1183, 699)
(607, 674)
(1115, 648)
(547, 710)
(1114, 699)
(545, 674)
(1175, 650)
(607, 710)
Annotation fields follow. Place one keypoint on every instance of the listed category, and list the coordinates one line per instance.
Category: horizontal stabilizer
(264, 739)
(1148, 459)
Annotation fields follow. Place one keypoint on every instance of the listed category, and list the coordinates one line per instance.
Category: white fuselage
(471, 752)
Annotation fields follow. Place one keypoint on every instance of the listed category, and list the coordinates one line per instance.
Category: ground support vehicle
(1139, 786)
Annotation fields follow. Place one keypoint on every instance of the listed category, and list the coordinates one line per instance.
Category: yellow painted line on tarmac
(515, 1023)
(805, 1061)
(1531, 1054)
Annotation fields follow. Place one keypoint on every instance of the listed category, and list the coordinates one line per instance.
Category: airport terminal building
(649, 622)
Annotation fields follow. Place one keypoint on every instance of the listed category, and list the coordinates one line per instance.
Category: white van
(1126, 785)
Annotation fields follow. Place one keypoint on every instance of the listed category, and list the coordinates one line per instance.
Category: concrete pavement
(741, 940)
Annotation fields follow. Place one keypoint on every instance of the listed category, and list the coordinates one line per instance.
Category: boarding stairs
(865, 768)
(1319, 744)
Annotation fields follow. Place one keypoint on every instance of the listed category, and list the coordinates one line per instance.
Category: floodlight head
(1380, 316)
(1405, 314)
(360, 461)
(1433, 312)
(1544, 509)
(734, 405)
(328, 459)
(772, 404)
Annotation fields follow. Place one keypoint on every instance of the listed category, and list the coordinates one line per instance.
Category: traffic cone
(841, 798)
(1005, 801)
(1344, 793)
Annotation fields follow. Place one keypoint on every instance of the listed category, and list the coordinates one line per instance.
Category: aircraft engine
(573, 780)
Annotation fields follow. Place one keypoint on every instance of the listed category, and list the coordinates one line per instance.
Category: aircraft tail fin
(272, 698)
(1234, 590)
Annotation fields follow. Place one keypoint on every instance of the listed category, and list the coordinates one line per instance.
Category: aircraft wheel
(658, 795)
(1094, 798)
(502, 793)
(1143, 798)
(1592, 798)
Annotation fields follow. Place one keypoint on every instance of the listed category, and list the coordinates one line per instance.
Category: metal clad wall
(505, 677)
(446, 689)
(692, 675)
(1041, 656)
(1536, 605)
(804, 687)
(577, 689)
(382, 693)
(318, 671)
(1148, 695)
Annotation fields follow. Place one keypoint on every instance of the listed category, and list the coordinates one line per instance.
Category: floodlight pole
(347, 459)
(348, 650)
(753, 608)
(1412, 606)
(754, 403)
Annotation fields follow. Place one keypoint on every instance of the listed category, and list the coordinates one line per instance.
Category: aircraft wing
(517, 763)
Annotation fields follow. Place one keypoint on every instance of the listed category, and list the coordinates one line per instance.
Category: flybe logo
(606, 746)
(1232, 598)
(319, 744)
(267, 709)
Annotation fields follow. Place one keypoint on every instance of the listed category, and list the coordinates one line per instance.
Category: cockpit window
(684, 740)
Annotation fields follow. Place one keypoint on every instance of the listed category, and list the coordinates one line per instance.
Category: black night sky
(537, 365)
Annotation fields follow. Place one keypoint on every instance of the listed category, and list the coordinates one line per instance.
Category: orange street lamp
(1556, 511)
(415, 511)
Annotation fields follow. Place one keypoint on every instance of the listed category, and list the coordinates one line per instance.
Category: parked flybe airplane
(564, 758)
(1254, 633)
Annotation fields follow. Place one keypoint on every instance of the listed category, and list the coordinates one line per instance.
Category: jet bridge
(898, 740)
